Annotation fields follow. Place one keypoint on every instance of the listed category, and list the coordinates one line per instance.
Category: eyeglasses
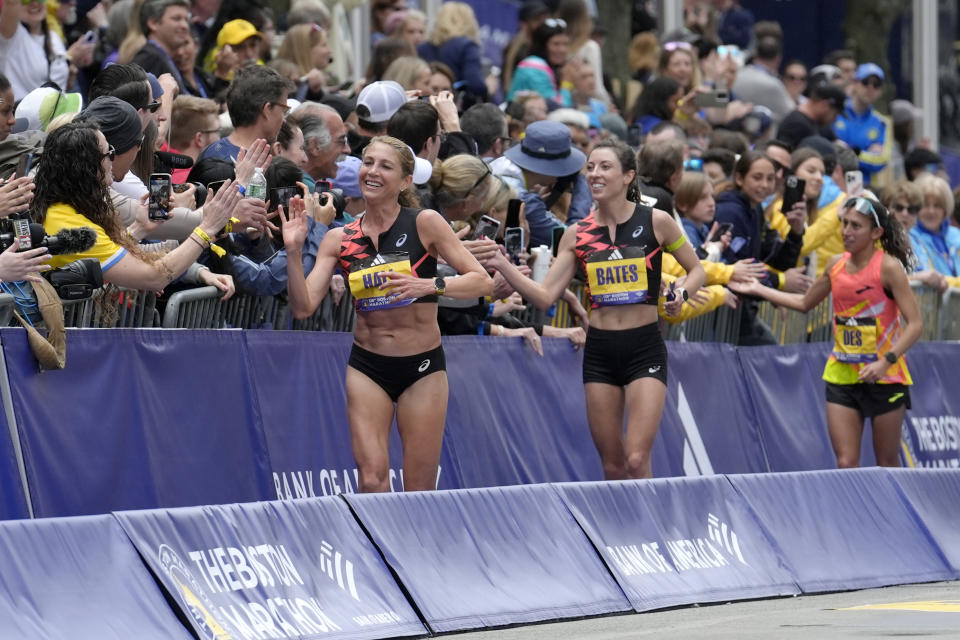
(152, 107)
(482, 178)
(863, 206)
(792, 78)
(111, 153)
(555, 23)
(506, 142)
(872, 82)
(896, 207)
(677, 44)
(285, 107)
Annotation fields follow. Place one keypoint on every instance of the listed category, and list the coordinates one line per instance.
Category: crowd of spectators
(215, 93)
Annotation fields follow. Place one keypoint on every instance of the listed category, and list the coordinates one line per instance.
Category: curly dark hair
(895, 241)
(71, 172)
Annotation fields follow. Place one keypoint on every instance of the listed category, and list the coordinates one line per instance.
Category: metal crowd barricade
(198, 308)
(7, 307)
(949, 322)
(720, 325)
(792, 327)
(202, 308)
(928, 299)
(113, 307)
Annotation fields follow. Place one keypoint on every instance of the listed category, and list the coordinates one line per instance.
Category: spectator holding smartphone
(397, 367)
(754, 181)
(73, 182)
(625, 361)
(866, 374)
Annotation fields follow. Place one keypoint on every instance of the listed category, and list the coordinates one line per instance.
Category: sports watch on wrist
(890, 357)
(440, 285)
(682, 293)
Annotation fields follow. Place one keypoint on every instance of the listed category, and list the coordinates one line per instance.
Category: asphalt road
(809, 616)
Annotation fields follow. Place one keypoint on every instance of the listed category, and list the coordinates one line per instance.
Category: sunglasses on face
(111, 153)
(153, 107)
(872, 82)
(896, 207)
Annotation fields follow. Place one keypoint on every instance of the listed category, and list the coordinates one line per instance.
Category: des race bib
(367, 276)
(855, 340)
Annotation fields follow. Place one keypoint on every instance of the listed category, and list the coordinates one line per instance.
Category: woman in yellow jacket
(821, 238)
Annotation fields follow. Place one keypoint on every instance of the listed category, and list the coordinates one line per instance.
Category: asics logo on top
(638, 231)
(401, 240)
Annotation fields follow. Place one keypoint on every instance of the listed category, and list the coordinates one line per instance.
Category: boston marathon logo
(720, 548)
(194, 598)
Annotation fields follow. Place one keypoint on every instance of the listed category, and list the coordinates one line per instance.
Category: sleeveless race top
(625, 272)
(866, 323)
(400, 250)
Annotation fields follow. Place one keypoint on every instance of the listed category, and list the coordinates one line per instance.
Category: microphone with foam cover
(71, 240)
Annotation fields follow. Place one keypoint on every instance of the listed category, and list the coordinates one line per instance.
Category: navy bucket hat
(548, 150)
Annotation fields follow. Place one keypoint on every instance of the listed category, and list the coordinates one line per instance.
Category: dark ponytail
(894, 240)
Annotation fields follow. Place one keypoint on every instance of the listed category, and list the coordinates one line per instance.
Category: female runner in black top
(389, 256)
(618, 248)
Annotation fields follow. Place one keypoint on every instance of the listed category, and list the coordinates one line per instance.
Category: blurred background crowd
(752, 146)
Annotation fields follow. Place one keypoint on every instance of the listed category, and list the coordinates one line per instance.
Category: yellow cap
(235, 32)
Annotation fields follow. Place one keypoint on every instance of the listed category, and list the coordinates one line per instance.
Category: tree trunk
(615, 16)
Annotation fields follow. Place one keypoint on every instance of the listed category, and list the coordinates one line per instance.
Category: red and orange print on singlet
(866, 323)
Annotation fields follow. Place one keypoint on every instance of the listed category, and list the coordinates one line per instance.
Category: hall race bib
(618, 276)
(367, 276)
(855, 340)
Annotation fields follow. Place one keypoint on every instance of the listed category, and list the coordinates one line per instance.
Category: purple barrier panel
(299, 382)
(931, 434)
(788, 396)
(679, 541)
(291, 569)
(13, 501)
(139, 418)
(848, 529)
(488, 557)
(708, 423)
(515, 417)
(934, 495)
(79, 578)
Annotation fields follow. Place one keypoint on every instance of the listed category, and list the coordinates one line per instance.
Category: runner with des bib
(866, 375)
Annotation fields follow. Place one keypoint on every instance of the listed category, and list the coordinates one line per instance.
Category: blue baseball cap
(348, 177)
(868, 69)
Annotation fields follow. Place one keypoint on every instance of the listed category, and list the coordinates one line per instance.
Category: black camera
(72, 281)
(77, 279)
(339, 204)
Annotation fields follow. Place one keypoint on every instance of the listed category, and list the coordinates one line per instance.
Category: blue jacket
(752, 235)
(938, 251)
(863, 130)
(268, 277)
(462, 55)
(696, 233)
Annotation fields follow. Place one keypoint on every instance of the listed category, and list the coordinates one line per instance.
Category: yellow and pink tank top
(866, 323)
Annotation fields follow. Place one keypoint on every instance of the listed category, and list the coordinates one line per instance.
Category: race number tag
(618, 276)
(855, 340)
(367, 275)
